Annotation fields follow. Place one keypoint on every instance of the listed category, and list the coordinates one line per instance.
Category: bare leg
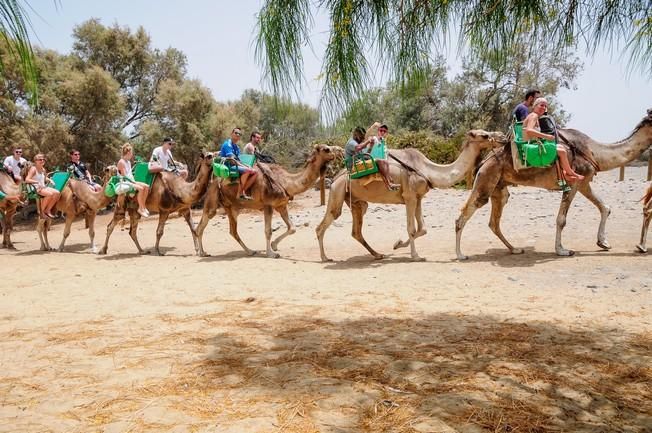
(585, 189)
(566, 200)
(383, 168)
(249, 182)
(358, 209)
(283, 212)
(233, 229)
(569, 173)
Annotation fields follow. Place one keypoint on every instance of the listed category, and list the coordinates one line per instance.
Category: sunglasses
(238, 133)
(75, 154)
(18, 151)
(41, 159)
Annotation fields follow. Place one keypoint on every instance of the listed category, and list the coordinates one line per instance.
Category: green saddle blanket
(59, 178)
(534, 153)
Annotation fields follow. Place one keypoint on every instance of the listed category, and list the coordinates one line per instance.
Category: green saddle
(111, 189)
(534, 153)
(226, 170)
(59, 178)
(361, 165)
(142, 174)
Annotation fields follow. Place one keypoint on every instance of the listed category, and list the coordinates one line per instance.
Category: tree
(14, 24)
(403, 33)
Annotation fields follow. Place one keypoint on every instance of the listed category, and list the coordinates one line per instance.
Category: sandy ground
(228, 343)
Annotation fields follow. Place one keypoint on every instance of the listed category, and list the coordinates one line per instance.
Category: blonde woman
(37, 176)
(124, 169)
(532, 131)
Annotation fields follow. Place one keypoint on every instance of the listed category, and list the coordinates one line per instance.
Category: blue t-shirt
(521, 111)
(349, 148)
(230, 149)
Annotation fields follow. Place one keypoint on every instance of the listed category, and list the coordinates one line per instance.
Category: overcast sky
(217, 38)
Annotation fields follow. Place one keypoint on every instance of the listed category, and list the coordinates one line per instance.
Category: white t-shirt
(162, 157)
(13, 164)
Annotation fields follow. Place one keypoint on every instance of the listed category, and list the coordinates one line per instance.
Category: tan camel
(169, 193)
(498, 172)
(647, 216)
(273, 189)
(7, 207)
(416, 174)
(76, 199)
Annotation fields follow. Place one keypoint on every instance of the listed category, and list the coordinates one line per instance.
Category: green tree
(402, 34)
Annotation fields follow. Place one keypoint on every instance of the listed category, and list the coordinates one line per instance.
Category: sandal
(394, 187)
(49, 215)
(245, 197)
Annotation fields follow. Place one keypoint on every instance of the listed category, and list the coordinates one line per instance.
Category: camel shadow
(440, 370)
(367, 262)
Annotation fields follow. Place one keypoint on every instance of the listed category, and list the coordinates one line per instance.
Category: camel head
(109, 171)
(484, 139)
(206, 158)
(323, 153)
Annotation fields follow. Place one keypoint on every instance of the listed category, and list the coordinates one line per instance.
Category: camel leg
(90, 221)
(268, 212)
(566, 201)
(498, 201)
(118, 215)
(41, 230)
(233, 229)
(358, 209)
(283, 212)
(585, 189)
(187, 215)
(421, 223)
(410, 210)
(70, 217)
(162, 218)
(134, 218)
(210, 209)
(475, 201)
(336, 199)
(7, 219)
(647, 217)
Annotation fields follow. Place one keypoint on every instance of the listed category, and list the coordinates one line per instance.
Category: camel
(271, 191)
(647, 216)
(416, 174)
(497, 172)
(169, 193)
(77, 198)
(8, 208)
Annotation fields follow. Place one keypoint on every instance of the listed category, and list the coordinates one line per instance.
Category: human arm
(530, 129)
(30, 179)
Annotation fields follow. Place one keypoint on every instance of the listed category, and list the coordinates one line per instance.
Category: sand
(231, 343)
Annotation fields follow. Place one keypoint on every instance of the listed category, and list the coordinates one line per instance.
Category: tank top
(40, 179)
(128, 172)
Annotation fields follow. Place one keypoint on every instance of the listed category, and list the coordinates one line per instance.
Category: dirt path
(228, 343)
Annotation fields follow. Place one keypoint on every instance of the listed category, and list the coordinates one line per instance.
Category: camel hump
(273, 187)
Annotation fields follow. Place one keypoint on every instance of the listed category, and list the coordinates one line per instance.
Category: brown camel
(76, 199)
(498, 172)
(416, 174)
(169, 193)
(647, 216)
(7, 207)
(273, 189)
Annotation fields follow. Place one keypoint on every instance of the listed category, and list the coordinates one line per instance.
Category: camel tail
(647, 198)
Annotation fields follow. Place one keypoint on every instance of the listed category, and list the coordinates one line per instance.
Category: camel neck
(446, 175)
(297, 183)
(613, 155)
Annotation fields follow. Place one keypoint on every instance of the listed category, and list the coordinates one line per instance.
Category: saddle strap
(412, 169)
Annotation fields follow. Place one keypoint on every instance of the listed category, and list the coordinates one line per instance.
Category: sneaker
(143, 213)
(394, 187)
(245, 197)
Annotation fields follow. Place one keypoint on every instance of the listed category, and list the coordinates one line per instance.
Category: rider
(161, 159)
(532, 131)
(383, 165)
(14, 163)
(80, 172)
(523, 109)
(231, 151)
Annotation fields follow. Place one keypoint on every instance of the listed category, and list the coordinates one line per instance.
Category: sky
(217, 38)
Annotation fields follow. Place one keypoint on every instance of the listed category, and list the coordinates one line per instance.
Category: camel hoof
(203, 254)
(566, 253)
(102, 252)
(144, 252)
(418, 259)
(326, 260)
(399, 244)
(274, 247)
(462, 257)
(251, 252)
(641, 248)
(517, 251)
(379, 256)
(273, 255)
(604, 245)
